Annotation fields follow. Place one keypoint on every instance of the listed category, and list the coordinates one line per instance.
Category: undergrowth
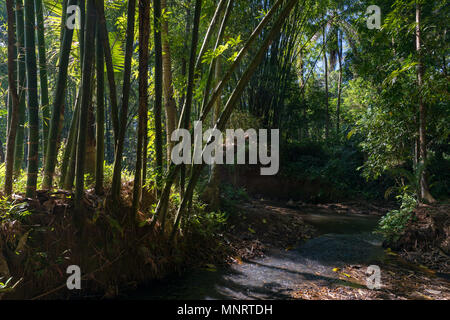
(20, 180)
(393, 224)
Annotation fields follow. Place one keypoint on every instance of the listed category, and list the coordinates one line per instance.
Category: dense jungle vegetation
(92, 90)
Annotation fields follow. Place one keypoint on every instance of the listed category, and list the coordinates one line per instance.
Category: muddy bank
(426, 238)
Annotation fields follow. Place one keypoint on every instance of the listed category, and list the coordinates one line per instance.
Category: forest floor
(268, 250)
(305, 251)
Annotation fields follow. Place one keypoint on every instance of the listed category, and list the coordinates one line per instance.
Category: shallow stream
(342, 239)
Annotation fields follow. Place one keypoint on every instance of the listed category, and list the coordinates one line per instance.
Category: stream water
(343, 239)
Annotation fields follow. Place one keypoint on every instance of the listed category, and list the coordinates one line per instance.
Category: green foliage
(387, 133)
(207, 223)
(108, 175)
(378, 110)
(393, 224)
(20, 181)
(210, 55)
(10, 211)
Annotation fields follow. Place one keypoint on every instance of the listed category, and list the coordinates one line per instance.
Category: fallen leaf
(348, 276)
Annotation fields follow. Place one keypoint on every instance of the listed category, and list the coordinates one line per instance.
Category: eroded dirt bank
(426, 239)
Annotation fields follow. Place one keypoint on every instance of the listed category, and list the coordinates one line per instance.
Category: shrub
(393, 224)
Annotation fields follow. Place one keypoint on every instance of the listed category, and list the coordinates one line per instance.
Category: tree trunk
(169, 100)
(325, 62)
(9, 107)
(100, 127)
(109, 69)
(2, 152)
(90, 135)
(63, 19)
(212, 192)
(425, 194)
(33, 104)
(43, 78)
(304, 129)
(116, 183)
(212, 66)
(145, 151)
(11, 139)
(81, 31)
(108, 126)
(144, 37)
(90, 147)
(338, 108)
(72, 152)
(58, 105)
(186, 112)
(69, 155)
(158, 91)
(86, 96)
(21, 86)
(185, 50)
(210, 30)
